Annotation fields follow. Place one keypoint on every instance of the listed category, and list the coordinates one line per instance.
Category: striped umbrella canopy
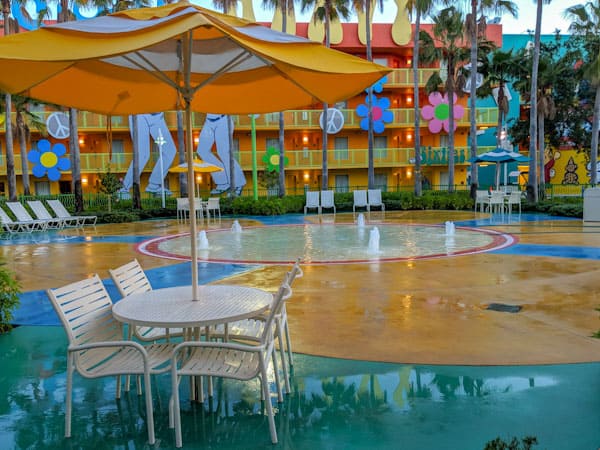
(499, 156)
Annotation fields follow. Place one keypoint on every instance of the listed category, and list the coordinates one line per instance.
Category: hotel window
(341, 148)
(118, 153)
(380, 146)
(342, 183)
(381, 181)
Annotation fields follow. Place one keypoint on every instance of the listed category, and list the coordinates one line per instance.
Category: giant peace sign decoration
(335, 121)
(58, 125)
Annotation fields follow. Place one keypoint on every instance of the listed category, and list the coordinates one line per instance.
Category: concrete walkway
(425, 311)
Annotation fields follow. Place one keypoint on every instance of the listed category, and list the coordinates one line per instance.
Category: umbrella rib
(234, 62)
(156, 72)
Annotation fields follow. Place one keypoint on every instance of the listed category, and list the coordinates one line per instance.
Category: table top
(174, 308)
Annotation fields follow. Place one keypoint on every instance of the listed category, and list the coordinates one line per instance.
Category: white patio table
(174, 308)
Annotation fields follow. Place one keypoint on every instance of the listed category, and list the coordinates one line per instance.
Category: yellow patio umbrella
(198, 166)
(178, 57)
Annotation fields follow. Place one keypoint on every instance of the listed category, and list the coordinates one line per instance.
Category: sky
(552, 16)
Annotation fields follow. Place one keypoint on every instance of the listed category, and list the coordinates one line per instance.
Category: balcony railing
(297, 159)
(294, 120)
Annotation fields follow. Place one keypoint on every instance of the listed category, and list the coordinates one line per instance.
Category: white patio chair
(130, 279)
(96, 346)
(312, 201)
(11, 226)
(236, 361)
(496, 202)
(183, 208)
(360, 200)
(482, 200)
(513, 199)
(327, 200)
(213, 204)
(71, 220)
(374, 199)
(41, 213)
(23, 216)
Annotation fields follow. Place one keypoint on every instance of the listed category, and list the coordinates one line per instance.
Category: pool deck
(421, 311)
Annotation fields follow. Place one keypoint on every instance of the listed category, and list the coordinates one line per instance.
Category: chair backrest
(312, 199)
(85, 310)
(58, 208)
(183, 203)
(497, 197)
(296, 272)
(5, 218)
(213, 203)
(39, 210)
(327, 199)
(130, 278)
(19, 211)
(360, 198)
(280, 297)
(374, 196)
(481, 194)
(514, 197)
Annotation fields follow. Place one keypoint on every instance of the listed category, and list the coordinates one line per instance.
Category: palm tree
(586, 23)
(476, 27)
(419, 8)
(287, 8)
(24, 121)
(365, 6)
(10, 155)
(532, 185)
(326, 12)
(499, 69)
(447, 44)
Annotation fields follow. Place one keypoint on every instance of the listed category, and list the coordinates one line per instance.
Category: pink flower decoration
(438, 113)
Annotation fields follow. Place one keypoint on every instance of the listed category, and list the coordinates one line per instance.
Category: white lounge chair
(229, 360)
(11, 226)
(41, 213)
(360, 200)
(130, 279)
(96, 346)
(327, 200)
(312, 201)
(482, 199)
(374, 199)
(62, 212)
(23, 216)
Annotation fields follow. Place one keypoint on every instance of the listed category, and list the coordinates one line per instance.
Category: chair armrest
(108, 344)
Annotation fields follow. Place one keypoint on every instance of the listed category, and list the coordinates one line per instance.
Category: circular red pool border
(499, 241)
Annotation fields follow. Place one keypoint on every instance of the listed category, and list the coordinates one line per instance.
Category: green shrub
(117, 216)
(9, 297)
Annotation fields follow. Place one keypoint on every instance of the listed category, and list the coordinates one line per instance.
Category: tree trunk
(417, 133)
(370, 138)
(450, 94)
(22, 135)
(183, 187)
(137, 199)
(473, 100)
(594, 144)
(11, 176)
(284, 11)
(500, 125)
(532, 191)
(75, 160)
(10, 153)
(541, 145)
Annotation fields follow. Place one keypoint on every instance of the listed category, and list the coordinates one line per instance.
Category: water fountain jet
(450, 228)
(374, 240)
(360, 221)
(236, 227)
(202, 240)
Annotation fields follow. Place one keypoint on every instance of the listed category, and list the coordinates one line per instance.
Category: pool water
(335, 404)
(331, 243)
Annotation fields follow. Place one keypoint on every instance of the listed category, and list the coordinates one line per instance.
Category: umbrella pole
(497, 176)
(187, 59)
(254, 169)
